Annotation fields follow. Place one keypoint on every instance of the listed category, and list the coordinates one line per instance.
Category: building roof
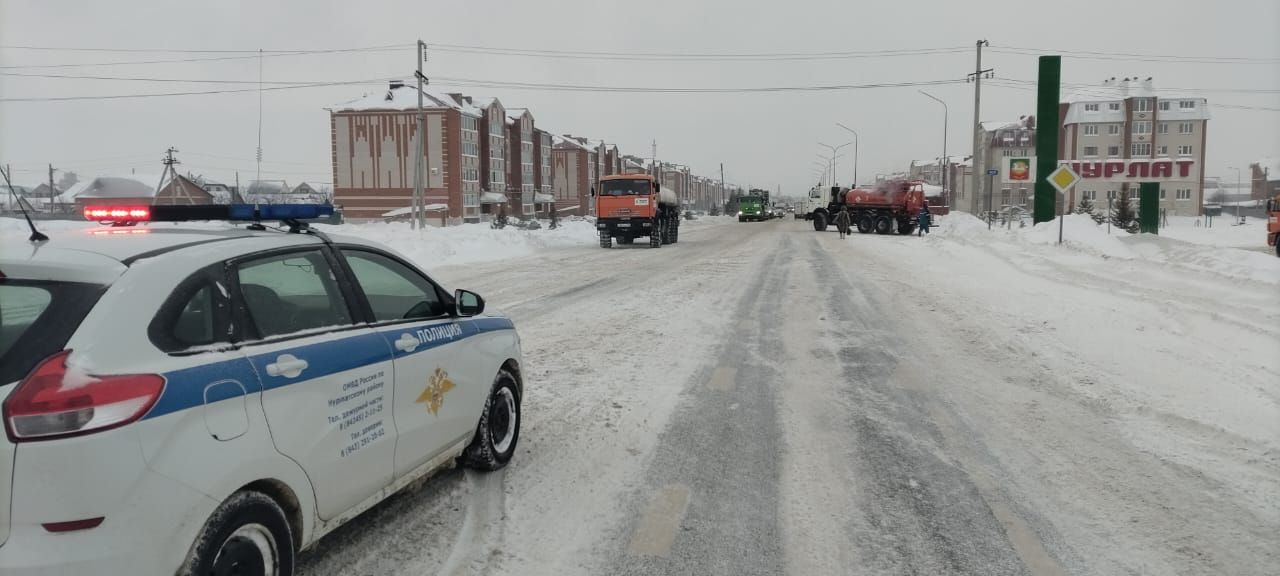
(400, 97)
(118, 186)
(484, 102)
(559, 141)
(993, 125)
(1112, 90)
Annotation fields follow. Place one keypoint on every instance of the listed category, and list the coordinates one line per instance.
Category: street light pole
(946, 112)
(835, 153)
(1237, 191)
(855, 153)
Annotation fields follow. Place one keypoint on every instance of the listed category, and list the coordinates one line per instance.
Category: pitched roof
(118, 186)
(400, 97)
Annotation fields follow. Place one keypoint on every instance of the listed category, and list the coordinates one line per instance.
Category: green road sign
(1149, 207)
(1047, 126)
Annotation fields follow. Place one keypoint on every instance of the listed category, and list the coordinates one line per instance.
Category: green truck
(754, 207)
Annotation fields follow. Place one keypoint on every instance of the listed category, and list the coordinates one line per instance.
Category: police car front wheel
(499, 428)
(247, 535)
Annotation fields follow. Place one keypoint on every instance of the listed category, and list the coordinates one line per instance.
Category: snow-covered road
(764, 399)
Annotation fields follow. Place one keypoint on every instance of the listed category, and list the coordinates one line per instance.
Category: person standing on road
(923, 220)
(842, 221)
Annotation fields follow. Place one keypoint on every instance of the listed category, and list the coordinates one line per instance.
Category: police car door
(326, 381)
(434, 390)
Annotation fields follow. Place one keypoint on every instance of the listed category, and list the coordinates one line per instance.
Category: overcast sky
(764, 139)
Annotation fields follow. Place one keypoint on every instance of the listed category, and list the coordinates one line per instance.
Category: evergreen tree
(1123, 215)
(1085, 207)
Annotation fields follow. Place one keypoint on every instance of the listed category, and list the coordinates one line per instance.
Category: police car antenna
(36, 236)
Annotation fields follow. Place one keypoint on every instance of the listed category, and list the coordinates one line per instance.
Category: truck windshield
(625, 187)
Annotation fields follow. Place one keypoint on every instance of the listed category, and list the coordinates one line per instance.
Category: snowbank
(433, 247)
(1180, 246)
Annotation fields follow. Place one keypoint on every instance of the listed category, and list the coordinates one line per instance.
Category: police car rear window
(36, 320)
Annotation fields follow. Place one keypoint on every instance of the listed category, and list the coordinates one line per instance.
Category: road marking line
(723, 379)
(657, 529)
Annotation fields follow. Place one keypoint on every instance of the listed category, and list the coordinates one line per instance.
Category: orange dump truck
(1273, 223)
(630, 206)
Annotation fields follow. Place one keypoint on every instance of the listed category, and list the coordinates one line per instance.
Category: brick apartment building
(522, 162)
(1124, 132)
(573, 175)
(374, 140)
(545, 199)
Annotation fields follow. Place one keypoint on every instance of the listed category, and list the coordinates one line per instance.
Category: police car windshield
(625, 187)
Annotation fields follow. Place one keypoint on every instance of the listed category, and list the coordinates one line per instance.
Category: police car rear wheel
(247, 536)
(499, 428)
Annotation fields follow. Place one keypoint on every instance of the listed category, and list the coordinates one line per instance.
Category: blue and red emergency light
(226, 212)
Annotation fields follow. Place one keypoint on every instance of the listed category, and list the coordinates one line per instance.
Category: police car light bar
(227, 212)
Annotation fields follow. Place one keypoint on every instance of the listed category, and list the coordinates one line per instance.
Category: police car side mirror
(467, 303)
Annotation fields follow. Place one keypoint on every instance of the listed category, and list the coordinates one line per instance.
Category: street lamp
(855, 153)
(835, 153)
(945, 113)
(826, 165)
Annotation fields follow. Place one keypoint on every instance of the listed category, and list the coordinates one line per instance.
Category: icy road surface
(764, 399)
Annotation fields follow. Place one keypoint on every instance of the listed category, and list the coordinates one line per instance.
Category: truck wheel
(864, 224)
(247, 534)
(819, 222)
(606, 241)
(655, 237)
(675, 233)
(906, 228)
(884, 225)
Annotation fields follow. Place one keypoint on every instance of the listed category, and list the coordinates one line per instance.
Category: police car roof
(102, 253)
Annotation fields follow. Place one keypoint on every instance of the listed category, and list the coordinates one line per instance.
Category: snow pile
(1252, 235)
(433, 247)
(1180, 246)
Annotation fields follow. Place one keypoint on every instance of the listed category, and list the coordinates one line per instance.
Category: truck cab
(630, 206)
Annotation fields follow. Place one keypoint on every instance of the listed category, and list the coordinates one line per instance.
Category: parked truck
(630, 206)
(887, 206)
(754, 207)
(1273, 223)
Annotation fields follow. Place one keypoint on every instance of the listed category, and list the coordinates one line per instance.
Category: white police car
(211, 401)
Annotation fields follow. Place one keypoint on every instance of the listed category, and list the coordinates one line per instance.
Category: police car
(205, 399)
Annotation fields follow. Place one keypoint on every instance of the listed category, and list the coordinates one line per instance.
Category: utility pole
(979, 163)
(419, 166)
(51, 190)
(169, 171)
(723, 199)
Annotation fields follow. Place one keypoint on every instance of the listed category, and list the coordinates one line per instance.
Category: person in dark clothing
(923, 220)
(842, 221)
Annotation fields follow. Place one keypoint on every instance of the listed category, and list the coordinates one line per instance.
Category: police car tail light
(55, 402)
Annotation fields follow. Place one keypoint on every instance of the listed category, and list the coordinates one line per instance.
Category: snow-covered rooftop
(993, 125)
(403, 97)
(118, 186)
(1112, 90)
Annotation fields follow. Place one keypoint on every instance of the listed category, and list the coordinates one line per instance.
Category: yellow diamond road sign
(1063, 178)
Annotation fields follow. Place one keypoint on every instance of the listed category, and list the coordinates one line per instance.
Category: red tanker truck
(889, 205)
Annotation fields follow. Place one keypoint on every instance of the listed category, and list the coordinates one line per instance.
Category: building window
(1186, 128)
(1007, 153)
(1090, 150)
(1089, 195)
(1164, 106)
(1162, 150)
(1142, 105)
(1184, 194)
(1090, 129)
(1141, 149)
(1186, 104)
(1111, 194)
(1113, 129)
(1113, 106)
(1113, 150)
(1162, 128)
(1184, 150)
(1090, 107)
(1142, 127)
(1162, 194)
(1004, 196)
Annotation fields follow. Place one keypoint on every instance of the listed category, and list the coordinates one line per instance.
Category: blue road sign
(992, 172)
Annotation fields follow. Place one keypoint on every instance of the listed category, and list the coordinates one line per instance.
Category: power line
(208, 59)
(471, 83)
(153, 79)
(691, 57)
(1102, 93)
(192, 93)
(188, 51)
(1137, 55)
(1088, 86)
(1171, 59)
